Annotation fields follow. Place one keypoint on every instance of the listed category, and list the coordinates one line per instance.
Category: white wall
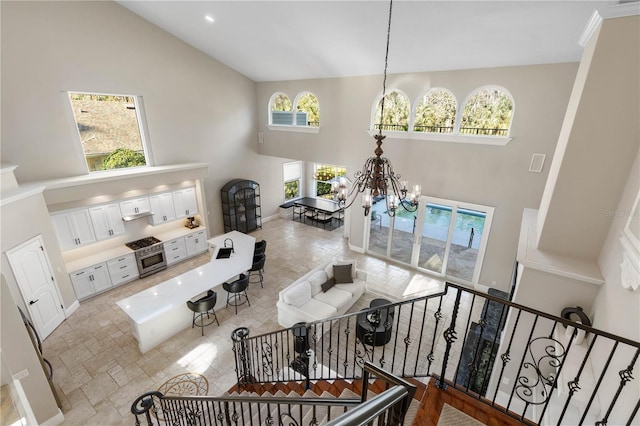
(490, 175)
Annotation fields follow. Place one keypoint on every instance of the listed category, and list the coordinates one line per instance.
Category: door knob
(33, 301)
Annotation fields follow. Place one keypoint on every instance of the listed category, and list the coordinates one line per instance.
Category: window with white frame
(325, 176)
(436, 112)
(280, 110)
(110, 130)
(292, 173)
(487, 111)
(397, 111)
(303, 113)
(307, 110)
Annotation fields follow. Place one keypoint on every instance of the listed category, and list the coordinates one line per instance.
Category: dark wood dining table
(320, 204)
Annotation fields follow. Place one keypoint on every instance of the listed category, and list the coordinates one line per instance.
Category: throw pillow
(342, 274)
(316, 280)
(328, 284)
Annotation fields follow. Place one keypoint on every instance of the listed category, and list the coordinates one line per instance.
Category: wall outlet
(20, 375)
(505, 381)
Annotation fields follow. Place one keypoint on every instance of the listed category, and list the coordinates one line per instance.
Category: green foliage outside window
(281, 103)
(436, 112)
(325, 174)
(291, 190)
(309, 103)
(122, 158)
(487, 112)
(396, 112)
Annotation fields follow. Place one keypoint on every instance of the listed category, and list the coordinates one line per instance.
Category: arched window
(307, 110)
(488, 111)
(281, 112)
(436, 112)
(396, 112)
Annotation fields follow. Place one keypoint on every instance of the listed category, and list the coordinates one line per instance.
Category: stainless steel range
(149, 255)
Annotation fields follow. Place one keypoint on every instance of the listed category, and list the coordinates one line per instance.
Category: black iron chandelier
(377, 179)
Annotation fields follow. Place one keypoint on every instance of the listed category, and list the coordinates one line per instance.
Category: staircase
(512, 361)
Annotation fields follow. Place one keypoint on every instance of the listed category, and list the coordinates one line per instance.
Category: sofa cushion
(299, 294)
(342, 273)
(316, 280)
(341, 299)
(315, 309)
(328, 284)
(355, 288)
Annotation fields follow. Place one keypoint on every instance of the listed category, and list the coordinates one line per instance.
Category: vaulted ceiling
(290, 40)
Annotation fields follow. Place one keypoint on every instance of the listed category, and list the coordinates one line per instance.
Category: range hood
(136, 216)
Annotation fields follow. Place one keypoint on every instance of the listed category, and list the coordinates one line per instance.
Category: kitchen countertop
(147, 304)
(123, 250)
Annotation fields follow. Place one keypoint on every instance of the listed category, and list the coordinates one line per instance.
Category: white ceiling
(291, 40)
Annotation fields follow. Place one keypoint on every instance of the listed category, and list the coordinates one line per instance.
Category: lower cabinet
(91, 280)
(175, 250)
(196, 242)
(123, 269)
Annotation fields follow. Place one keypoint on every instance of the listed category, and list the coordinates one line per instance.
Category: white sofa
(305, 301)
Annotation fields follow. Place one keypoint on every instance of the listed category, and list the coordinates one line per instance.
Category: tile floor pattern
(98, 370)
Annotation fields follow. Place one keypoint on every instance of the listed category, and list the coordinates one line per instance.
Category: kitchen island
(159, 312)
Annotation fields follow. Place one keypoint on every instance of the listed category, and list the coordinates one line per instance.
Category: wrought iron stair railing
(388, 407)
(533, 366)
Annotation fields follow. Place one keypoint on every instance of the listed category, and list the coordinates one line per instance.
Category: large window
(487, 112)
(110, 130)
(436, 112)
(396, 112)
(292, 173)
(281, 112)
(324, 176)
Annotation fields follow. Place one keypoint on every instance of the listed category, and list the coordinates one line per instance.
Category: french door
(443, 237)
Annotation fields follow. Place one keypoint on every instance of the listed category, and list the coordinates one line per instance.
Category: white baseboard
(356, 249)
(71, 309)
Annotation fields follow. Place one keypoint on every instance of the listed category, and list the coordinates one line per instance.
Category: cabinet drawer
(122, 260)
(124, 276)
(174, 245)
(175, 255)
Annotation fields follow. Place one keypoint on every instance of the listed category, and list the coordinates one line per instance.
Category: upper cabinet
(107, 221)
(74, 228)
(162, 206)
(186, 202)
(135, 206)
(241, 206)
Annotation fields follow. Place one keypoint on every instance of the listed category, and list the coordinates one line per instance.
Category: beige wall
(495, 176)
(197, 109)
(597, 146)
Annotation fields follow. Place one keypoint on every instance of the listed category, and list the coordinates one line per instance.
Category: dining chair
(324, 218)
(298, 211)
(310, 214)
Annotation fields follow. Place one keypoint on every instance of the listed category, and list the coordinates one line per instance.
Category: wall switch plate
(260, 137)
(537, 162)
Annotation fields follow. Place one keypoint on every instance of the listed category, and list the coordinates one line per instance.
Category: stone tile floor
(99, 371)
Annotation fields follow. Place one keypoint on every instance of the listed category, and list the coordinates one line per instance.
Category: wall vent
(537, 162)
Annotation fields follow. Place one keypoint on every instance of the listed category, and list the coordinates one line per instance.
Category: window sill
(299, 129)
(444, 137)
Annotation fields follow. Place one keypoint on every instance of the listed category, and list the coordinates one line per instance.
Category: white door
(33, 273)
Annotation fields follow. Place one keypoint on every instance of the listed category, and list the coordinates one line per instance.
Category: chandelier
(377, 179)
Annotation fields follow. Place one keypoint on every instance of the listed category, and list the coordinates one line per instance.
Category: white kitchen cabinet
(186, 202)
(74, 228)
(196, 242)
(175, 250)
(89, 281)
(162, 207)
(135, 206)
(107, 221)
(123, 269)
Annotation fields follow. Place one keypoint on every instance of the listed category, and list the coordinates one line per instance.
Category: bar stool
(203, 306)
(238, 289)
(260, 247)
(258, 266)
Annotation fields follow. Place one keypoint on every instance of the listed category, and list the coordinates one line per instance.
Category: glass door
(446, 238)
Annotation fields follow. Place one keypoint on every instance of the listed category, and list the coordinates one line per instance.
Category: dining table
(161, 311)
(319, 204)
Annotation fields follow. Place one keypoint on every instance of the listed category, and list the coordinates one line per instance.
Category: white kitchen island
(160, 312)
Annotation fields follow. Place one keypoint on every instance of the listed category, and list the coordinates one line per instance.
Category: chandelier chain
(386, 62)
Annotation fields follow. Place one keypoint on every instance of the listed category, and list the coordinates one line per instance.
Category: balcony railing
(535, 367)
(444, 129)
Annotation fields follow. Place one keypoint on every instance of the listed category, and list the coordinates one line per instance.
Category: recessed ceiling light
(209, 18)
